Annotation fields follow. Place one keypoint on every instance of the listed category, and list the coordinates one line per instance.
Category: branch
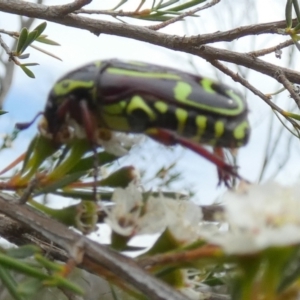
(256, 64)
(98, 26)
(71, 7)
(172, 42)
(262, 52)
(280, 76)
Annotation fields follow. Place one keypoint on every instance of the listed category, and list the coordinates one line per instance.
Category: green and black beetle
(166, 104)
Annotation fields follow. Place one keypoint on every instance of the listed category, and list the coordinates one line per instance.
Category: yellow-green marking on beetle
(201, 122)
(67, 86)
(219, 129)
(161, 106)
(181, 115)
(240, 130)
(138, 103)
(207, 85)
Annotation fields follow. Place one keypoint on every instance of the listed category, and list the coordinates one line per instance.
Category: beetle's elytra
(139, 97)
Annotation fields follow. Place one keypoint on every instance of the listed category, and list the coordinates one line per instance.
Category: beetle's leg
(169, 138)
(90, 130)
(64, 108)
(87, 119)
(223, 176)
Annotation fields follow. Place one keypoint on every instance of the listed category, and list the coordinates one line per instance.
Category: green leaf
(118, 241)
(78, 147)
(291, 273)
(166, 242)
(118, 5)
(120, 178)
(30, 39)
(168, 3)
(23, 251)
(22, 40)
(31, 36)
(60, 183)
(47, 41)
(155, 18)
(2, 112)
(83, 195)
(186, 5)
(60, 281)
(29, 153)
(49, 265)
(40, 28)
(38, 151)
(28, 72)
(30, 287)
(30, 64)
(87, 163)
(65, 215)
(296, 7)
(9, 282)
(22, 267)
(292, 115)
(24, 56)
(295, 37)
(288, 13)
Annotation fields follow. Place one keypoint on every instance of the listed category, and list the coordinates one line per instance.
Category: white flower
(133, 215)
(192, 286)
(119, 143)
(127, 209)
(182, 218)
(260, 217)
(193, 294)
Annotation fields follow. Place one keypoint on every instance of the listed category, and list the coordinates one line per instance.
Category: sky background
(28, 96)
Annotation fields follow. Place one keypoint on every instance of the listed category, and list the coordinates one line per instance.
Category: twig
(182, 16)
(240, 32)
(262, 52)
(71, 7)
(157, 38)
(28, 191)
(119, 13)
(280, 77)
(98, 26)
(180, 257)
(8, 51)
(10, 33)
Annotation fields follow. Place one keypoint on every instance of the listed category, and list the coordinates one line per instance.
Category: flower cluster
(259, 217)
(134, 215)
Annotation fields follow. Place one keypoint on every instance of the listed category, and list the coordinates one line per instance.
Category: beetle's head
(63, 112)
(51, 122)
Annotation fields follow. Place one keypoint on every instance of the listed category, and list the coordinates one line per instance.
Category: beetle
(169, 105)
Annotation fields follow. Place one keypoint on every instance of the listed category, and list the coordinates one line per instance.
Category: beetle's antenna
(22, 126)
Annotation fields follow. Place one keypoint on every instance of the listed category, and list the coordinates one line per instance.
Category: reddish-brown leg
(169, 138)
